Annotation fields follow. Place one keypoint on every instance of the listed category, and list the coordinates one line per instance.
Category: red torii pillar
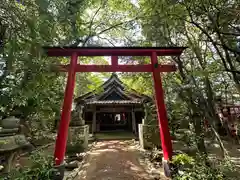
(154, 67)
(62, 135)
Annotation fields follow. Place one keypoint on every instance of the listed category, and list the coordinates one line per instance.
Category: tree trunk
(198, 126)
(211, 105)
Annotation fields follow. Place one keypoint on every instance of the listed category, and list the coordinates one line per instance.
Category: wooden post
(161, 110)
(114, 61)
(94, 122)
(133, 122)
(61, 140)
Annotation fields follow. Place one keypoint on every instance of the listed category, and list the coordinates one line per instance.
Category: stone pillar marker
(12, 141)
(78, 131)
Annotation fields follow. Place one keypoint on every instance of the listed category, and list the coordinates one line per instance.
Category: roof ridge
(114, 89)
(117, 85)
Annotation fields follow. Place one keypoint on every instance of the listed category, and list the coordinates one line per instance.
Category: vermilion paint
(154, 67)
(161, 110)
(119, 68)
(61, 141)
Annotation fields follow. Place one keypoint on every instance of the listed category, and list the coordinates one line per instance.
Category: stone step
(6, 131)
(6, 135)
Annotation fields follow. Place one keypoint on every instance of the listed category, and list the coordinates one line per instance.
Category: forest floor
(233, 151)
(215, 153)
(113, 160)
(123, 159)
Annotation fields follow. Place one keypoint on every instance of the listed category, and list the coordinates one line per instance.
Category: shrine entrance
(154, 67)
(115, 108)
(113, 121)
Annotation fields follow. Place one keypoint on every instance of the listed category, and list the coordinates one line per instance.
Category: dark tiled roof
(115, 102)
(111, 86)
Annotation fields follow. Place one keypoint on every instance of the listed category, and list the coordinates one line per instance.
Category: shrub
(151, 136)
(182, 159)
(42, 168)
(75, 147)
(198, 168)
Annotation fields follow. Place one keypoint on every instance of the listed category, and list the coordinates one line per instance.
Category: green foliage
(151, 136)
(139, 81)
(75, 147)
(150, 114)
(208, 68)
(42, 168)
(182, 159)
(188, 137)
(197, 168)
(28, 87)
(40, 138)
(88, 82)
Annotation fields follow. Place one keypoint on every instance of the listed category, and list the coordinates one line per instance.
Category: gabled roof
(114, 92)
(113, 80)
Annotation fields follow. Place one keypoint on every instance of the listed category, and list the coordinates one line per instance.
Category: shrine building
(112, 107)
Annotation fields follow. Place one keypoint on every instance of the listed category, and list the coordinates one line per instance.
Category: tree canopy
(208, 69)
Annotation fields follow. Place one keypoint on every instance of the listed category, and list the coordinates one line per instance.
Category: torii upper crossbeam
(154, 67)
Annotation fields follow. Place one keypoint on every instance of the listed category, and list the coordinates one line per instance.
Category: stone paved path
(113, 160)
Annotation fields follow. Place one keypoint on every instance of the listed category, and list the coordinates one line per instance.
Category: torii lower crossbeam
(119, 68)
(155, 68)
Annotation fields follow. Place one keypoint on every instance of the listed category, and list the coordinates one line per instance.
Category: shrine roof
(114, 92)
(113, 51)
(115, 102)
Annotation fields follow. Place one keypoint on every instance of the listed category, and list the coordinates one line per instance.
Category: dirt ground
(114, 160)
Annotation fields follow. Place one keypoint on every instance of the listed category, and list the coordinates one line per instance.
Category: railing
(230, 114)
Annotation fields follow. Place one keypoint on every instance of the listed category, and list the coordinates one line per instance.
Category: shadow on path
(113, 160)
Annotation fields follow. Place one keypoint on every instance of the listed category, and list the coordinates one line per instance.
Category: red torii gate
(114, 52)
